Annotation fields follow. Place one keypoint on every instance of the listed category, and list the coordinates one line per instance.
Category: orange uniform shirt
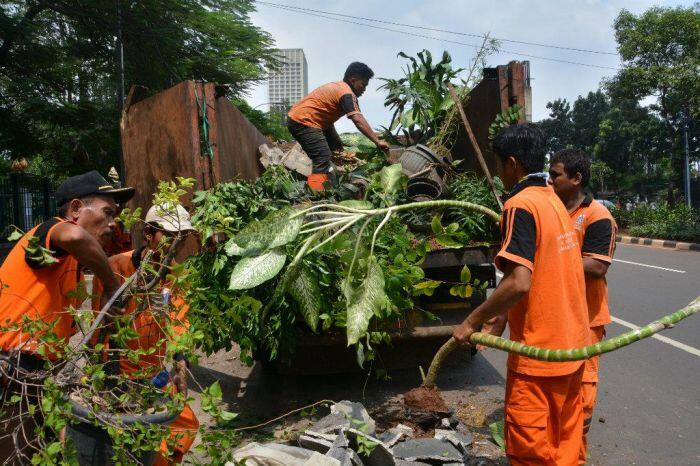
(538, 234)
(325, 105)
(40, 292)
(150, 327)
(596, 230)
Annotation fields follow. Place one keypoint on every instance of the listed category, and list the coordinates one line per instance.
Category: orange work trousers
(589, 389)
(183, 431)
(544, 419)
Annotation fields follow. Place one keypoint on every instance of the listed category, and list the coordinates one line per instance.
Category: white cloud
(330, 45)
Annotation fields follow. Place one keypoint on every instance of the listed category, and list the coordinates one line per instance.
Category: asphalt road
(648, 409)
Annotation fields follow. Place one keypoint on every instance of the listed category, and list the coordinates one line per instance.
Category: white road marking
(650, 266)
(677, 344)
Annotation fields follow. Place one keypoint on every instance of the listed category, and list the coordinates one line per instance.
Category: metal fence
(25, 201)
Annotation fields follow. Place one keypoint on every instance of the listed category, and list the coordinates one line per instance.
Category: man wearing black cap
(40, 277)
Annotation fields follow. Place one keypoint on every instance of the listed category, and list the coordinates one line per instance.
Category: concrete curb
(658, 243)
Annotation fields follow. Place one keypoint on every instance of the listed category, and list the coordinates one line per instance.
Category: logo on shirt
(579, 221)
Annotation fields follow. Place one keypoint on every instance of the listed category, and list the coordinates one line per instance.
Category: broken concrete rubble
(294, 159)
(428, 449)
(255, 454)
(337, 440)
(394, 435)
(357, 414)
(460, 440)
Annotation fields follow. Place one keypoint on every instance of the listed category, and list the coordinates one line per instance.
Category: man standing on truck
(311, 120)
(543, 294)
(41, 275)
(569, 172)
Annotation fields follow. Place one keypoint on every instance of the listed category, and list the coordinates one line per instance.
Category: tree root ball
(426, 399)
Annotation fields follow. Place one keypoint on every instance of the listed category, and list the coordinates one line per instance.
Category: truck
(193, 130)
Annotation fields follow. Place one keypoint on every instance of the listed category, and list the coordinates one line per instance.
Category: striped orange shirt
(596, 231)
(538, 234)
(325, 105)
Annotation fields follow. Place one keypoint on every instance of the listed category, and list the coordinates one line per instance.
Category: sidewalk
(658, 243)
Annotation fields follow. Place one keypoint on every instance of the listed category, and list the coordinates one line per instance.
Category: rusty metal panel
(500, 88)
(236, 142)
(160, 138)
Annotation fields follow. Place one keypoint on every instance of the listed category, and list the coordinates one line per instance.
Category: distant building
(291, 83)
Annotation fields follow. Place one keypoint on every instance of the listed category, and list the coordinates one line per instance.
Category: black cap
(89, 184)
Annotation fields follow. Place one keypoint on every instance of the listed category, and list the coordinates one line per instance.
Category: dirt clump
(426, 399)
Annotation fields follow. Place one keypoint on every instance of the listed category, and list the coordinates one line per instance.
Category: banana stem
(561, 355)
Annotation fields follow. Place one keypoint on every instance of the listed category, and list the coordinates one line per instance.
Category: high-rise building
(290, 83)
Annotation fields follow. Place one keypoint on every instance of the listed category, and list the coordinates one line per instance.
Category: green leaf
(498, 433)
(227, 415)
(452, 228)
(355, 204)
(448, 242)
(277, 229)
(465, 276)
(306, 293)
(436, 225)
(391, 178)
(253, 271)
(215, 390)
(364, 301)
(426, 287)
(15, 235)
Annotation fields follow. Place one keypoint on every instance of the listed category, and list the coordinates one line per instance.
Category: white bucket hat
(170, 218)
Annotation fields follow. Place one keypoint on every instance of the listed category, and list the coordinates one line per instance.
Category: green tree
(660, 51)
(60, 74)
(558, 127)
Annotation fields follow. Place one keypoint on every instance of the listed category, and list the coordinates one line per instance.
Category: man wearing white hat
(163, 223)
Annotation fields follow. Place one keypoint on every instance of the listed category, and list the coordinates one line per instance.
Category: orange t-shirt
(596, 230)
(41, 292)
(538, 234)
(148, 326)
(325, 105)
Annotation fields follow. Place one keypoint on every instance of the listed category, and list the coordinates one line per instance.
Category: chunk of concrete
(331, 423)
(458, 439)
(318, 459)
(381, 454)
(394, 435)
(297, 160)
(341, 451)
(357, 414)
(428, 449)
(270, 155)
(318, 442)
(256, 454)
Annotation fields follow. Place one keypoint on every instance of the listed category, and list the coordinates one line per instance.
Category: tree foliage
(660, 50)
(60, 73)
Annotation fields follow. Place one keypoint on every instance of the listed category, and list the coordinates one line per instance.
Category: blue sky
(330, 45)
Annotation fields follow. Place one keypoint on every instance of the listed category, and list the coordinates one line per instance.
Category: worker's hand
(383, 145)
(116, 310)
(180, 377)
(464, 331)
(495, 326)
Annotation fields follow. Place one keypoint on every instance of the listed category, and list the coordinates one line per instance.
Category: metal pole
(687, 163)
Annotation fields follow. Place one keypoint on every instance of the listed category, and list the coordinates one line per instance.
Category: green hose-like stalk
(561, 355)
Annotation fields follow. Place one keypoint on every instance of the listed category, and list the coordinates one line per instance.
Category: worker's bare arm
(363, 126)
(514, 285)
(80, 244)
(595, 268)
